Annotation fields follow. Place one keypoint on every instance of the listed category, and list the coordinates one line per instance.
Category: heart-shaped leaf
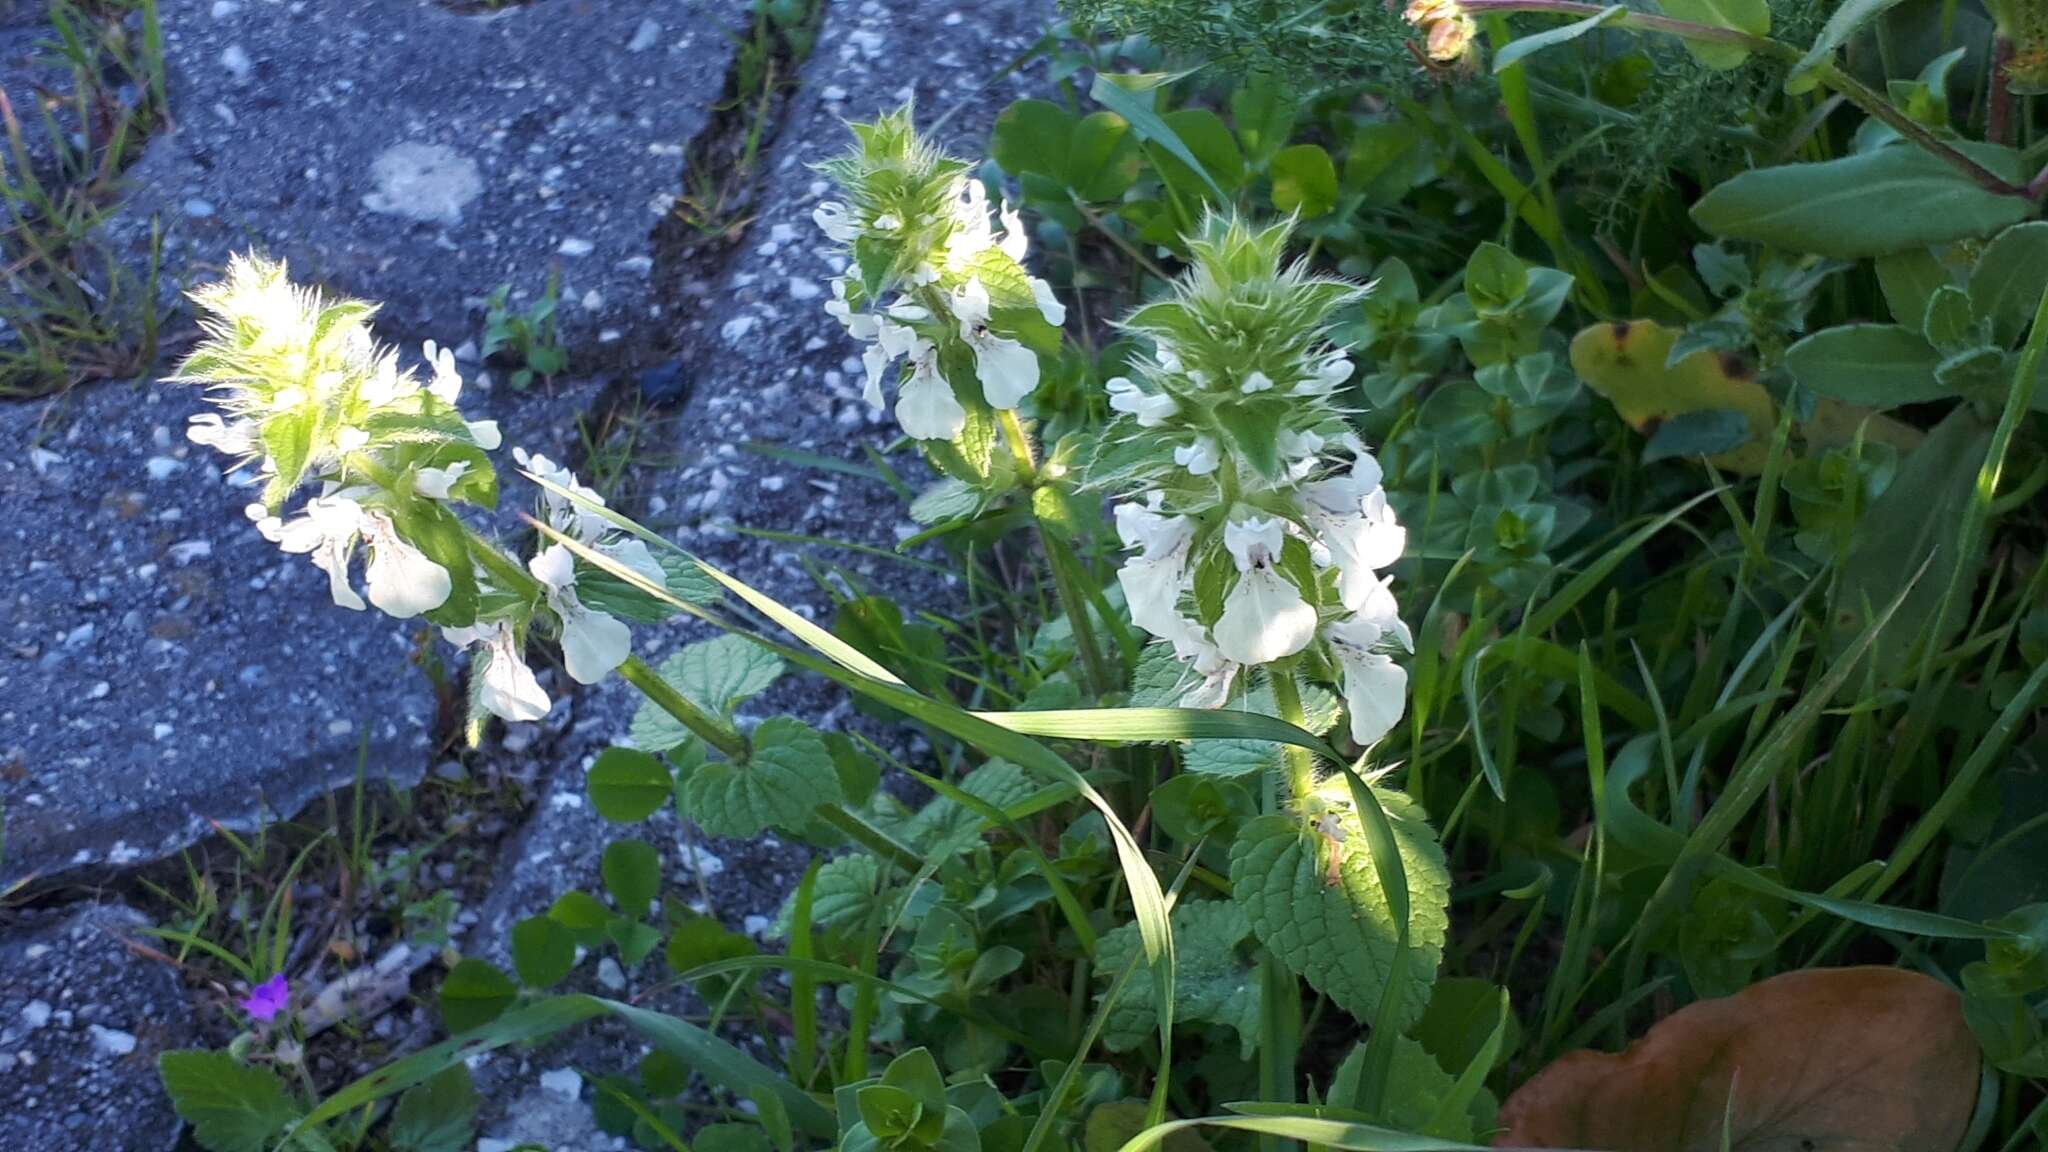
(1823, 1060)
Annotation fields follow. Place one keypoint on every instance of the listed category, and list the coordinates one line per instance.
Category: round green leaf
(627, 785)
(1304, 180)
(1031, 136)
(2010, 278)
(474, 994)
(543, 951)
(632, 874)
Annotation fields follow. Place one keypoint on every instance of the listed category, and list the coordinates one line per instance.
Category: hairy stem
(1301, 764)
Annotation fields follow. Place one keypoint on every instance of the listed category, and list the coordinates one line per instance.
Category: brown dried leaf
(1824, 1060)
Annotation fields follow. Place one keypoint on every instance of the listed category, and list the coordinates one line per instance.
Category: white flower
(1256, 382)
(1356, 529)
(562, 513)
(237, 437)
(1298, 445)
(593, 642)
(1264, 617)
(327, 532)
(1016, 242)
(447, 388)
(402, 580)
(435, 483)
(1008, 370)
(859, 325)
(1151, 410)
(925, 405)
(506, 686)
(1375, 688)
(1329, 376)
(891, 340)
(384, 385)
(1154, 580)
(1200, 458)
(836, 222)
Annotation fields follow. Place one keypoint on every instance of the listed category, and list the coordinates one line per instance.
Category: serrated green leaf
(846, 892)
(627, 784)
(715, 675)
(787, 774)
(231, 1106)
(1320, 711)
(945, 501)
(1342, 937)
(473, 994)
(1213, 982)
(942, 822)
(437, 1116)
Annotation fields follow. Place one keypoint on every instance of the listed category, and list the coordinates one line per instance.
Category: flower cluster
(932, 283)
(1261, 528)
(1446, 26)
(305, 397)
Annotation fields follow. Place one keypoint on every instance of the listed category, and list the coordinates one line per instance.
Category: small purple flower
(269, 998)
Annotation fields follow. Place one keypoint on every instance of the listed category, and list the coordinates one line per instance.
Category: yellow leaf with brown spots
(1624, 361)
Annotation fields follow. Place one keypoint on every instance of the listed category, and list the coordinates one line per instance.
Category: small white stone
(198, 209)
(161, 730)
(644, 37)
(575, 246)
(222, 9)
(430, 182)
(563, 1082)
(236, 61)
(802, 289)
(99, 691)
(186, 551)
(163, 467)
(35, 1014)
(493, 1144)
(609, 975)
(736, 329)
(41, 459)
(593, 301)
(111, 1042)
(756, 925)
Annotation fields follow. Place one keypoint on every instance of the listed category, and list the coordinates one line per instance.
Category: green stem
(1301, 765)
(1020, 445)
(711, 729)
(726, 739)
(1067, 578)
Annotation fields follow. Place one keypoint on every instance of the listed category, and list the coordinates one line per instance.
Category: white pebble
(563, 1082)
(110, 1042)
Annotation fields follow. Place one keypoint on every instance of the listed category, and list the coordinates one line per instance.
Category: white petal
(1152, 589)
(1254, 540)
(403, 581)
(1008, 370)
(1375, 693)
(1049, 305)
(1256, 382)
(485, 434)
(1151, 532)
(509, 689)
(925, 405)
(447, 384)
(833, 218)
(593, 643)
(876, 360)
(1264, 619)
(1200, 458)
(633, 554)
(554, 566)
(435, 483)
(970, 305)
(1016, 242)
(1151, 410)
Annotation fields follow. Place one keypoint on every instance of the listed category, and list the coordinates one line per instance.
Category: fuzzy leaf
(788, 773)
(716, 675)
(231, 1106)
(1821, 1060)
(1342, 937)
(437, 1116)
(1212, 982)
(1871, 204)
